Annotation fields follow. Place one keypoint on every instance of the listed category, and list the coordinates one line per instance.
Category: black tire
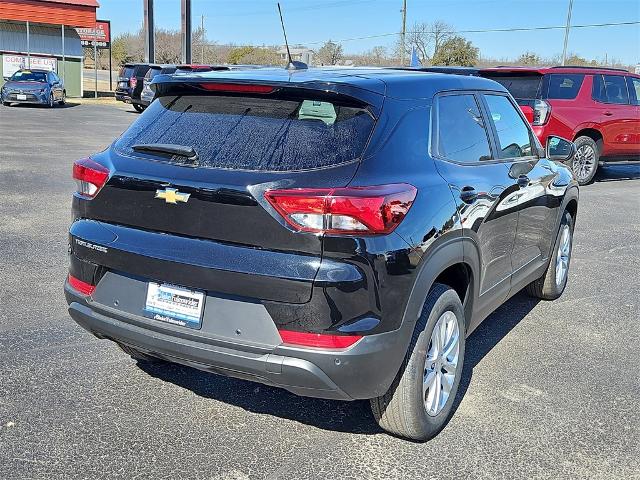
(6, 104)
(139, 108)
(546, 287)
(138, 355)
(63, 100)
(401, 411)
(585, 161)
(51, 102)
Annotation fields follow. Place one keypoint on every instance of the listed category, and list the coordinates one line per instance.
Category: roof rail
(591, 67)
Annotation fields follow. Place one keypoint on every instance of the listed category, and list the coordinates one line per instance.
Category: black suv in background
(130, 82)
(335, 233)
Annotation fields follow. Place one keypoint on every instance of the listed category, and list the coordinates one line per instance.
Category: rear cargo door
(197, 166)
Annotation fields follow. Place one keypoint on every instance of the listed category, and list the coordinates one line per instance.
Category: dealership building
(42, 34)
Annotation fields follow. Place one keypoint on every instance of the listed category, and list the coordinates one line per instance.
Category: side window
(462, 136)
(564, 87)
(616, 89)
(634, 89)
(513, 133)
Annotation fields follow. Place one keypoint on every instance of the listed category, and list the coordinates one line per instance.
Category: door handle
(468, 194)
(523, 181)
(607, 113)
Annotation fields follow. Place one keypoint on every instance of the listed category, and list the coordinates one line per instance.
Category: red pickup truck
(597, 108)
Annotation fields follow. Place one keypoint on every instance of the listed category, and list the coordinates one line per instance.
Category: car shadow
(67, 104)
(614, 173)
(489, 333)
(351, 417)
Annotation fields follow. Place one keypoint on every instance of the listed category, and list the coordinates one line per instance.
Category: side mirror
(559, 149)
(6, 79)
(528, 112)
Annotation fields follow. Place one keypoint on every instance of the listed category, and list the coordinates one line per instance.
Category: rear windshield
(520, 86)
(251, 133)
(125, 72)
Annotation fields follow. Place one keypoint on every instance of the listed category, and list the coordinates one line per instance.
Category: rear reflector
(352, 210)
(317, 339)
(80, 286)
(90, 177)
(237, 88)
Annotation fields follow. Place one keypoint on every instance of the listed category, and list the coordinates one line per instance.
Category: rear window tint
(564, 87)
(125, 72)
(520, 86)
(250, 133)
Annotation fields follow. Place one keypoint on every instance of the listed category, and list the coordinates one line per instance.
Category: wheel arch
(447, 264)
(592, 133)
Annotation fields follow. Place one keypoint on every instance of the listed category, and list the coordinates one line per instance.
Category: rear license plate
(177, 305)
(21, 97)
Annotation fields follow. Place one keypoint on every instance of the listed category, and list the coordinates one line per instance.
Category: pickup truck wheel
(138, 355)
(551, 285)
(419, 402)
(585, 161)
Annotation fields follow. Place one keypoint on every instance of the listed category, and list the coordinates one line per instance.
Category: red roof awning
(71, 13)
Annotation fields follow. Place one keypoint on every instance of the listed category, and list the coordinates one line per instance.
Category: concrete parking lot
(552, 389)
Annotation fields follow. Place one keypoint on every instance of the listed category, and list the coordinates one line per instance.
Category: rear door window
(613, 88)
(461, 133)
(634, 90)
(255, 133)
(564, 86)
(513, 133)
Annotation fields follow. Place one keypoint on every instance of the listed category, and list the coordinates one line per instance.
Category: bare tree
(329, 54)
(426, 38)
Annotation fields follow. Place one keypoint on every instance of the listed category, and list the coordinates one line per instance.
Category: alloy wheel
(563, 255)
(441, 363)
(584, 162)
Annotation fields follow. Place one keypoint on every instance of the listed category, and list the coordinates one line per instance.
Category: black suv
(130, 82)
(334, 233)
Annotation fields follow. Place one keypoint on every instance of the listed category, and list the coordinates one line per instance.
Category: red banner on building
(101, 35)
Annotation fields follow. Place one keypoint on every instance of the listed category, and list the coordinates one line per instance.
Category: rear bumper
(362, 371)
(123, 96)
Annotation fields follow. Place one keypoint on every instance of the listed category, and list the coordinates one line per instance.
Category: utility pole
(149, 32)
(403, 35)
(185, 17)
(202, 39)
(566, 33)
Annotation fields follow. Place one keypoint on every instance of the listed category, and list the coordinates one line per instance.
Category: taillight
(90, 177)
(351, 210)
(318, 340)
(133, 81)
(80, 286)
(541, 112)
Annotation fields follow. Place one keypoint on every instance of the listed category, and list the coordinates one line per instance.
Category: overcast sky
(311, 22)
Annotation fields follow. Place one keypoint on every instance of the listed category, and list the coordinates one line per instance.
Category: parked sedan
(33, 86)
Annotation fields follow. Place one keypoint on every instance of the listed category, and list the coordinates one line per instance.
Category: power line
(490, 30)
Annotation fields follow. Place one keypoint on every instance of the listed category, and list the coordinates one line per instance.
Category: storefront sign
(100, 36)
(12, 63)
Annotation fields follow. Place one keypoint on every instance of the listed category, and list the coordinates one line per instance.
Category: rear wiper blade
(169, 149)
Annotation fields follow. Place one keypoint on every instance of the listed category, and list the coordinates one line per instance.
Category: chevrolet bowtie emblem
(171, 195)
